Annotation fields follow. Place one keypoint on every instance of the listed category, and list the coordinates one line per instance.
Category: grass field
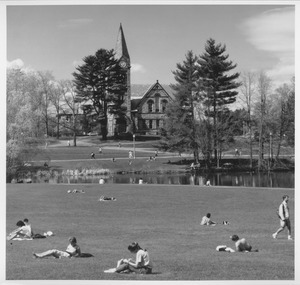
(164, 219)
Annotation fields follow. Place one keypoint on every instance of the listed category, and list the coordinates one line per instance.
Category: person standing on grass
(100, 150)
(92, 155)
(141, 265)
(284, 216)
(73, 250)
(242, 245)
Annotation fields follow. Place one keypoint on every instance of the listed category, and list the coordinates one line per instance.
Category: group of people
(141, 264)
(23, 231)
(241, 244)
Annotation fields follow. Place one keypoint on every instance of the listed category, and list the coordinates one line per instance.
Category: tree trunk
(74, 138)
(57, 127)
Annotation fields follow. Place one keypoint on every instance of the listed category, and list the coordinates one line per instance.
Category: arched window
(150, 106)
(164, 105)
(157, 102)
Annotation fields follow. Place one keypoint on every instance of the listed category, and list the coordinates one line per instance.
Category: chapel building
(146, 104)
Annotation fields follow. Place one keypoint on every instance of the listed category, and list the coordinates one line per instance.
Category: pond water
(272, 179)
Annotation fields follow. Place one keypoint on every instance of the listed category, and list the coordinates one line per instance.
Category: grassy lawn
(163, 218)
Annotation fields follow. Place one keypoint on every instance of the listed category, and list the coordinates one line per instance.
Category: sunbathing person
(206, 221)
(104, 198)
(242, 245)
(22, 232)
(141, 265)
(73, 250)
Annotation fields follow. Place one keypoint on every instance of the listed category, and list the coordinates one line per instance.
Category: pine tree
(180, 131)
(218, 88)
(101, 84)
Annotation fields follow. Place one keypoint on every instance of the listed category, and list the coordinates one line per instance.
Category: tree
(247, 97)
(218, 88)
(70, 107)
(180, 131)
(46, 89)
(23, 119)
(282, 114)
(55, 98)
(263, 89)
(101, 85)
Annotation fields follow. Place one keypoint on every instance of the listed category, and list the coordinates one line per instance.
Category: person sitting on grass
(28, 226)
(73, 250)
(206, 221)
(22, 232)
(141, 265)
(242, 245)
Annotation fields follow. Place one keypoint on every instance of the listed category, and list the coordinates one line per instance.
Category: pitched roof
(139, 90)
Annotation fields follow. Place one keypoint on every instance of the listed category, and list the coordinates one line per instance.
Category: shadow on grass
(85, 255)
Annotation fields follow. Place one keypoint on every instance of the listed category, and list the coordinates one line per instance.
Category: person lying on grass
(206, 221)
(22, 232)
(73, 250)
(242, 245)
(141, 265)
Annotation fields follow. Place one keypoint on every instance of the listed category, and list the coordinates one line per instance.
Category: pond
(284, 179)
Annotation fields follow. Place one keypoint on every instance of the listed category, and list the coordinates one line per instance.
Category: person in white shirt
(206, 221)
(22, 232)
(284, 216)
(142, 263)
(28, 227)
(73, 250)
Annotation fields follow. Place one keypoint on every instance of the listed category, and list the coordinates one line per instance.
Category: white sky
(56, 37)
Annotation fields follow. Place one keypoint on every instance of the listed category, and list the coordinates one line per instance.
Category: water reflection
(276, 180)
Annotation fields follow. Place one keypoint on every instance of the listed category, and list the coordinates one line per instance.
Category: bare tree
(45, 81)
(70, 106)
(247, 89)
(263, 89)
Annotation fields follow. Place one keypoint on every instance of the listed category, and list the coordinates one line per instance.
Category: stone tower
(123, 57)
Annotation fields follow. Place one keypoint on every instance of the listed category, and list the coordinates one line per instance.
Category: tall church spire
(121, 47)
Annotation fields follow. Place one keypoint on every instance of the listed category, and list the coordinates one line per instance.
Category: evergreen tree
(218, 88)
(180, 130)
(101, 84)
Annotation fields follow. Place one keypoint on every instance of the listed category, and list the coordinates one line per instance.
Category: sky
(57, 37)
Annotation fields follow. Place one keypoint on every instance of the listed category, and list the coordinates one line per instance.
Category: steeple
(121, 47)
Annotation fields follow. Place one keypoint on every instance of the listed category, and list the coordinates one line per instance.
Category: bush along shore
(26, 174)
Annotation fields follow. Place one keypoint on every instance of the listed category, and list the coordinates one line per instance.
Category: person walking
(284, 216)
